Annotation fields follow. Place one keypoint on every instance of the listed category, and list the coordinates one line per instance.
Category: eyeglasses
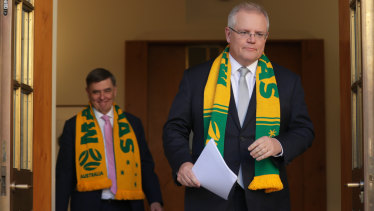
(244, 34)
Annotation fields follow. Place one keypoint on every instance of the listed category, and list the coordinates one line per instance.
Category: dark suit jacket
(186, 114)
(66, 179)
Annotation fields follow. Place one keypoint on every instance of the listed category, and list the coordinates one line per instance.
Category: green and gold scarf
(90, 156)
(216, 104)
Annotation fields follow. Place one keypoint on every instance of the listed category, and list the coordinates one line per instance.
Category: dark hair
(99, 74)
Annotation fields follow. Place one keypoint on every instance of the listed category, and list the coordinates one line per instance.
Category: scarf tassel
(269, 182)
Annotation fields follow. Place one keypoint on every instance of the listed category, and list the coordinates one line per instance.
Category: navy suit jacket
(66, 178)
(186, 115)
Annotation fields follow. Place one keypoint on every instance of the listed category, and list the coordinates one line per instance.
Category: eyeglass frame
(256, 35)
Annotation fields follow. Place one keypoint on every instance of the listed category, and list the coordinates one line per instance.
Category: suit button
(242, 138)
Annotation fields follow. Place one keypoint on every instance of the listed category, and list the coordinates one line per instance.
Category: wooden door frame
(345, 104)
(42, 156)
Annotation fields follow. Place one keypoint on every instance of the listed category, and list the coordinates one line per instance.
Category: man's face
(101, 95)
(245, 49)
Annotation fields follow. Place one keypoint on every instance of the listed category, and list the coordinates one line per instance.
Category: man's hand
(186, 177)
(156, 206)
(265, 147)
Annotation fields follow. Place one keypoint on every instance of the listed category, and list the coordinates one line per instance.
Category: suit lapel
(233, 111)
(251, 111)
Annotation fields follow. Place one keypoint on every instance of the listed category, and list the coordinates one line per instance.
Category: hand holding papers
(212, 172)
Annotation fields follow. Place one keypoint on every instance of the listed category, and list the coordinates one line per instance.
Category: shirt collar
(235, 66)
(98, 114)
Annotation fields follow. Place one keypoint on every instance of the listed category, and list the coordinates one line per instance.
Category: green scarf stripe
(217, 106)
(216, 110)
(220, 133)
(267, 122)
(264, 167)
(220, 110)
(268, 117)
(208, 114)
(214, 105)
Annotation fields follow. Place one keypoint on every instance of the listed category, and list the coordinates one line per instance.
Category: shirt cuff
(281, 153)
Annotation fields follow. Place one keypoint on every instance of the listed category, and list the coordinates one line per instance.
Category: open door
(357, 139)
(25, 93)
(357, 109)
(17, 101)
(21, 163)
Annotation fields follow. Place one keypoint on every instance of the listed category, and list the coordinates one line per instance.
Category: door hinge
(371, 178)
(3, 180)
(5, 7)
(361, 196)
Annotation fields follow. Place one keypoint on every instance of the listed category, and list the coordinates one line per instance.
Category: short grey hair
(247, 6)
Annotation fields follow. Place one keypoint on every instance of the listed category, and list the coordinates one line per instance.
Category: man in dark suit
(246, 33)
(105, 177)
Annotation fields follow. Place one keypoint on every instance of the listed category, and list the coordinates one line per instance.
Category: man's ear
(115, 91)
(88, 92)
(227, 33)
(267, 36)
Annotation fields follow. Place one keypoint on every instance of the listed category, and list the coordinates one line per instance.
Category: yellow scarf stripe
(216, 108)
(90, 156)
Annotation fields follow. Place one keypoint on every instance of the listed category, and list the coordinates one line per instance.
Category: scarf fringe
(266, 181)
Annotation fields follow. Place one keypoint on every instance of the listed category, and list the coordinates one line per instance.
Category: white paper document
(212, 172)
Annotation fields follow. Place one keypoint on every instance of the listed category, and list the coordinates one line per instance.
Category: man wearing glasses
(252, 108)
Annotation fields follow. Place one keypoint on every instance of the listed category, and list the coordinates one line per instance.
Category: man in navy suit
(101, 90)
(246, 33)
